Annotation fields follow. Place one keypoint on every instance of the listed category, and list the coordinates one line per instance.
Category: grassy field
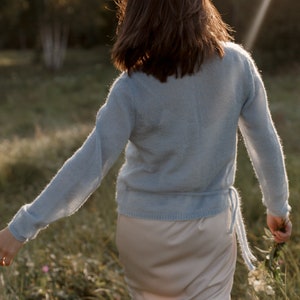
(44, 117)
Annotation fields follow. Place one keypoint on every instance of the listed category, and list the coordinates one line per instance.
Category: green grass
(44, 118)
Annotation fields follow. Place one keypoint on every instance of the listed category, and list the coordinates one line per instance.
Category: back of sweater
(184, 137)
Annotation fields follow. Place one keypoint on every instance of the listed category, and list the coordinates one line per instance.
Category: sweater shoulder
(233, 49)
(120, 83)
(235, 53)
(122, 88)
(240, 58)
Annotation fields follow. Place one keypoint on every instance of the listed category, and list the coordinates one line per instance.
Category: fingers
(9, 247)
(284, 233)
(280, 237)
(4, 262)
(281, 228)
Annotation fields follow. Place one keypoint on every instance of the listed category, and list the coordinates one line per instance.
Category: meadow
(45, 117)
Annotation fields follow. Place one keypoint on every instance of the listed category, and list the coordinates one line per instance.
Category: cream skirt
(180, 260)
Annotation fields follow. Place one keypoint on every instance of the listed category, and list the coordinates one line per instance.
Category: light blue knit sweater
(181, 139)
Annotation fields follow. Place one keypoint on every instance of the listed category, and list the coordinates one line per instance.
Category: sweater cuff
(25, 226)
(283, 213)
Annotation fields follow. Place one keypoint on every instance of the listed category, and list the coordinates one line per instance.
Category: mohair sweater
(181, 146)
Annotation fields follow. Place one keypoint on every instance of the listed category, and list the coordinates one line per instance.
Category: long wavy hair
(167, 37)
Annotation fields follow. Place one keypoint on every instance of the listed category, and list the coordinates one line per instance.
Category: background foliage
(91, 23)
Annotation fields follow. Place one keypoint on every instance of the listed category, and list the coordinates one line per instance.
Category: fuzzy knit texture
(181, 146)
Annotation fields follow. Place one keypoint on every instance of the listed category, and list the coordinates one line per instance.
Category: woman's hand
(9, 247)
(281, 228)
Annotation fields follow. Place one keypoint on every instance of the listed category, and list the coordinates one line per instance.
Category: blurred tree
(54, 25)
(57, 17)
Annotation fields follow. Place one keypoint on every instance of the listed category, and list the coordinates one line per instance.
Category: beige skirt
(180, 260)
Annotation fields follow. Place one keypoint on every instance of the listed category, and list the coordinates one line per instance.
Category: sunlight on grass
(15, 58)
(35, 147)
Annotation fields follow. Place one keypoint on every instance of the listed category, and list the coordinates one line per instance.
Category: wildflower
(29, 264)
(45, 269)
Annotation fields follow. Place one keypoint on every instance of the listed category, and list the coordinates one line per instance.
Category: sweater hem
(173, 206)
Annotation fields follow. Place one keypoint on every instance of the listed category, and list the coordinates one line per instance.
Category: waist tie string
(238, 223)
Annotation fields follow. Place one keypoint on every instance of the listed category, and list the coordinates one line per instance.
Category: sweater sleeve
(264, 147)
(81, 174)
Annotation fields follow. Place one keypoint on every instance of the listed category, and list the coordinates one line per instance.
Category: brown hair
(167, 37)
